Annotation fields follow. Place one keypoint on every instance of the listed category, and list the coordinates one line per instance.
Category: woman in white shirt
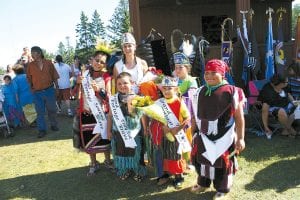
(130, 63)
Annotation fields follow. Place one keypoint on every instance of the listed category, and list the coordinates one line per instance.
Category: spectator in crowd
(11, 108)
(294, 80)
(77, 70)
(278, 102)
(64, 93)
(42, 76)
(10, 71)
(130, 63)
(24, 95)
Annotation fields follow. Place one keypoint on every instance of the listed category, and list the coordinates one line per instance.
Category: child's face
(169, 92)
(7, 81)
(181, 71)
(124, 85)
(99, 62)
(213, 78)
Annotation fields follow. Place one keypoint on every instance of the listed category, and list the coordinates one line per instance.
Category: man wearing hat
(219, 127)
(42, 77)
(130, 63)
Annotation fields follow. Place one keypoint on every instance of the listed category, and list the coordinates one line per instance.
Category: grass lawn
(49, 168)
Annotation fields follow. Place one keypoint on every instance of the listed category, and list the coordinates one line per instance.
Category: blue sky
(44, 23)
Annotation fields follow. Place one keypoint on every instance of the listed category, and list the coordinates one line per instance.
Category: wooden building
(203, 18)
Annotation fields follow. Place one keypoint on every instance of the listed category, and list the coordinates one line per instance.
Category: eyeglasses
(99, 61)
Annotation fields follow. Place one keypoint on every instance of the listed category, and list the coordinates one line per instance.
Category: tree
(61, 49)
(97, 27)
(84, 45)
(295, 13)
(48, 56)
(119, 23)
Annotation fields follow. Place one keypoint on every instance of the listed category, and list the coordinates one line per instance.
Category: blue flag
(269, 59)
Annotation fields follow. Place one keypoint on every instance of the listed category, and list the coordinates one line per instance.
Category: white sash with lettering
(214, 149)
(95, 106)
(127, 136)
(184, 145)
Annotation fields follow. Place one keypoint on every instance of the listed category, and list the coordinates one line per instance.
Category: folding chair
(254, 107)
(254, 111)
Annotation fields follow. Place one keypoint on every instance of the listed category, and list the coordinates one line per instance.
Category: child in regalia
(124, 126)
(218, 124)
(95, 91)
(169, 140)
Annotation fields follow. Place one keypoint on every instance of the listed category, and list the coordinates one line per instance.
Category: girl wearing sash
(168, 151)
(96, 87)
(187, 85)
(124, 127)
(130, 63)
(218, 124)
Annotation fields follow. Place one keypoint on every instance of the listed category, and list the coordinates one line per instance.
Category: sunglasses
(100, 61)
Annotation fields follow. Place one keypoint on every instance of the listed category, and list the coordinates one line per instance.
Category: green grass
(49, 168)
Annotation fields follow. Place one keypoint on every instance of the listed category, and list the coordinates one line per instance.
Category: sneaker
(197, 189)
(219, 196)
(54, 128)
(41, 134)
(93, 169)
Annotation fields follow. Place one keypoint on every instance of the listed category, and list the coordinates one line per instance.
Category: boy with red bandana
(219, 127)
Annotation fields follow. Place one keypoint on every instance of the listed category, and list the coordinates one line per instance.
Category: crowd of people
(185, 126)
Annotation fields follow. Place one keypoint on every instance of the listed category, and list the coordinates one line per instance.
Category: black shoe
(41, 134)
(54, 128)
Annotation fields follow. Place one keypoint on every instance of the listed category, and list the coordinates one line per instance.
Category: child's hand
(185, 122)
(94, 86)
(79, 79)
(166, 129)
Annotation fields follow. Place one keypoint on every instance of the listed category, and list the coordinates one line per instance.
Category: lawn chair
(254, 111)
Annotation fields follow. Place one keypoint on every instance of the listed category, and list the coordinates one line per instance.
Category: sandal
(108, 164)
(125, 176)
(138, 178)
(93, 169)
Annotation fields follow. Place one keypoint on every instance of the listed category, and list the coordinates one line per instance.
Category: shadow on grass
(259, 148)
(29, 135)
(73, 184)
(280, 176)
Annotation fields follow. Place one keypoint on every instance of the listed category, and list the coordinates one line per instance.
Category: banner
(279, 53)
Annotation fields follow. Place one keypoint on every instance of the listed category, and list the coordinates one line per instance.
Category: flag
(253, 49)
(279, 53)
(245, 43)
(269, 59)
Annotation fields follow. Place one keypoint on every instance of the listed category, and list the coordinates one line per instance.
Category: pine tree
(119, 23)
(97, 27)
(84, 45)
(83, 31)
